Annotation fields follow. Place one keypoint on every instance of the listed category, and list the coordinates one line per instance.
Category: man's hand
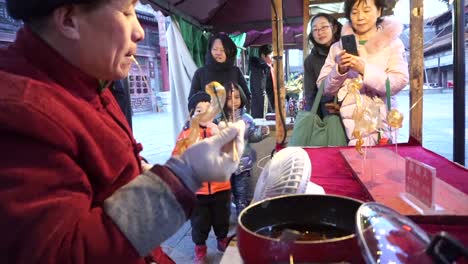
(208, 160)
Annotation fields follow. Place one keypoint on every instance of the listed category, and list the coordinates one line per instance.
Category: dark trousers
(257, 108)
(240, 190)
(211, 211)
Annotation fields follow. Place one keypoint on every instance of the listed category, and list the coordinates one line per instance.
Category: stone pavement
(155, 132)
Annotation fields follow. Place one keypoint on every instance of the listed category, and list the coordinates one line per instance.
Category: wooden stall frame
(416, 69)
(279, 89)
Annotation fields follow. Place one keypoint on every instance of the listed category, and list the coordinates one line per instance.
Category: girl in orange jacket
(213, 198)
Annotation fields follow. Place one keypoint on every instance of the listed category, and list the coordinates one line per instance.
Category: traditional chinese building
(438, 54)
(8, 26)
(147, 80)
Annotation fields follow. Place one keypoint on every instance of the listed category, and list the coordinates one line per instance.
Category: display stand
(420, 207)
(382, 174)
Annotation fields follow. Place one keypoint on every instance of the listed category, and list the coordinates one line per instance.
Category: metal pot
(299, 228)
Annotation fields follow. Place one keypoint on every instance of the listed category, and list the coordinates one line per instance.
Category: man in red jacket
(72, 189)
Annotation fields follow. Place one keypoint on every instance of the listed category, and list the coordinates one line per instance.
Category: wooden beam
(279, 89)
(305, 39)
(291, 21)
(335, 15)
(316, 2)
(416, 69)
(459, 112)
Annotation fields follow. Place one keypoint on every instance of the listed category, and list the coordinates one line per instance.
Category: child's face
(234, 99)
(201, 108)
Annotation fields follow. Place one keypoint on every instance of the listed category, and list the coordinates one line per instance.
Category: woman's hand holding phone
(349, 58)
(342, 63)
(348, 61)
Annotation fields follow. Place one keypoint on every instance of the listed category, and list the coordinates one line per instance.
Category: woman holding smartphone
(381, 57)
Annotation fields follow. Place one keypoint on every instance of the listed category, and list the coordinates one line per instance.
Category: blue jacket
(253, 134)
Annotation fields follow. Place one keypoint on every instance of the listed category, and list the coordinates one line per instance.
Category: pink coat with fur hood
(385, 58)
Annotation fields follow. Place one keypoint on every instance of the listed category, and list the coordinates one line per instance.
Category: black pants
(271, 99)
(258, 101)
(240, 189)
(211, 211)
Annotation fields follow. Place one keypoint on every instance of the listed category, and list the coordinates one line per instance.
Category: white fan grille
(287, 173)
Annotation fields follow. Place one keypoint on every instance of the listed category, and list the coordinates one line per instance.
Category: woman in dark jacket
(219, 66)
(325, 30)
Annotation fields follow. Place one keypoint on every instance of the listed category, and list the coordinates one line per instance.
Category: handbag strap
(387, 88)
(318, 97)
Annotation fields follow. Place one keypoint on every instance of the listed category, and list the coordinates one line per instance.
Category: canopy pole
(459, 113)
(416, 68)
(305, 24)
(279, 89)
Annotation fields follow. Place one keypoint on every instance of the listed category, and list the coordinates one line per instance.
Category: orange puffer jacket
(207, 187)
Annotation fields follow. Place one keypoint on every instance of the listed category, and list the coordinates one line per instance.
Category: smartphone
(348, 42)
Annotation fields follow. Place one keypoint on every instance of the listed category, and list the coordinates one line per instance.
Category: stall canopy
(230, 15)
(292, 37)
(236, 16)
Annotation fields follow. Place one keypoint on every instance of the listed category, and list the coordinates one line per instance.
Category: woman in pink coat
(381, 57)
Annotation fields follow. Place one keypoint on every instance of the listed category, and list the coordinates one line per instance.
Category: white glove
(207, 159)
(222, 125)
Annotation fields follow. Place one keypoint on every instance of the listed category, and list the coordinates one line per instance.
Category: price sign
(420, 180)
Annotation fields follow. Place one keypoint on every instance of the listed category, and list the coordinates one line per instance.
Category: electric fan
(287, 173)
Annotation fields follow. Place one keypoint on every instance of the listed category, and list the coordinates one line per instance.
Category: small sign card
(419, 181)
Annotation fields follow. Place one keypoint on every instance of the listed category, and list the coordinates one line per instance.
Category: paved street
(437, 121)
(154, 131)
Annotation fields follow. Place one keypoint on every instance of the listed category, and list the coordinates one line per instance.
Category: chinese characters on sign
(419, 181)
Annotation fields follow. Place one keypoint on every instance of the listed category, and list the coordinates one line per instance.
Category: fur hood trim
(389, 30)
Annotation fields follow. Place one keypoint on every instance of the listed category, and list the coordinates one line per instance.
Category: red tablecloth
(330, 170)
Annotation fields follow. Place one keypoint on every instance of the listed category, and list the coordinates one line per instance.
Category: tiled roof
(442, 43)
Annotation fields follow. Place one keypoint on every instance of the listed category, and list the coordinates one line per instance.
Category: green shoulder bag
(310, 130)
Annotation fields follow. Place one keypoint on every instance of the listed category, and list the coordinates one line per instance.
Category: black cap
(198, 97)
(28, 9)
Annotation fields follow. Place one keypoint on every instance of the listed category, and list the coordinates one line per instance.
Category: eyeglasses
(321, 29)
